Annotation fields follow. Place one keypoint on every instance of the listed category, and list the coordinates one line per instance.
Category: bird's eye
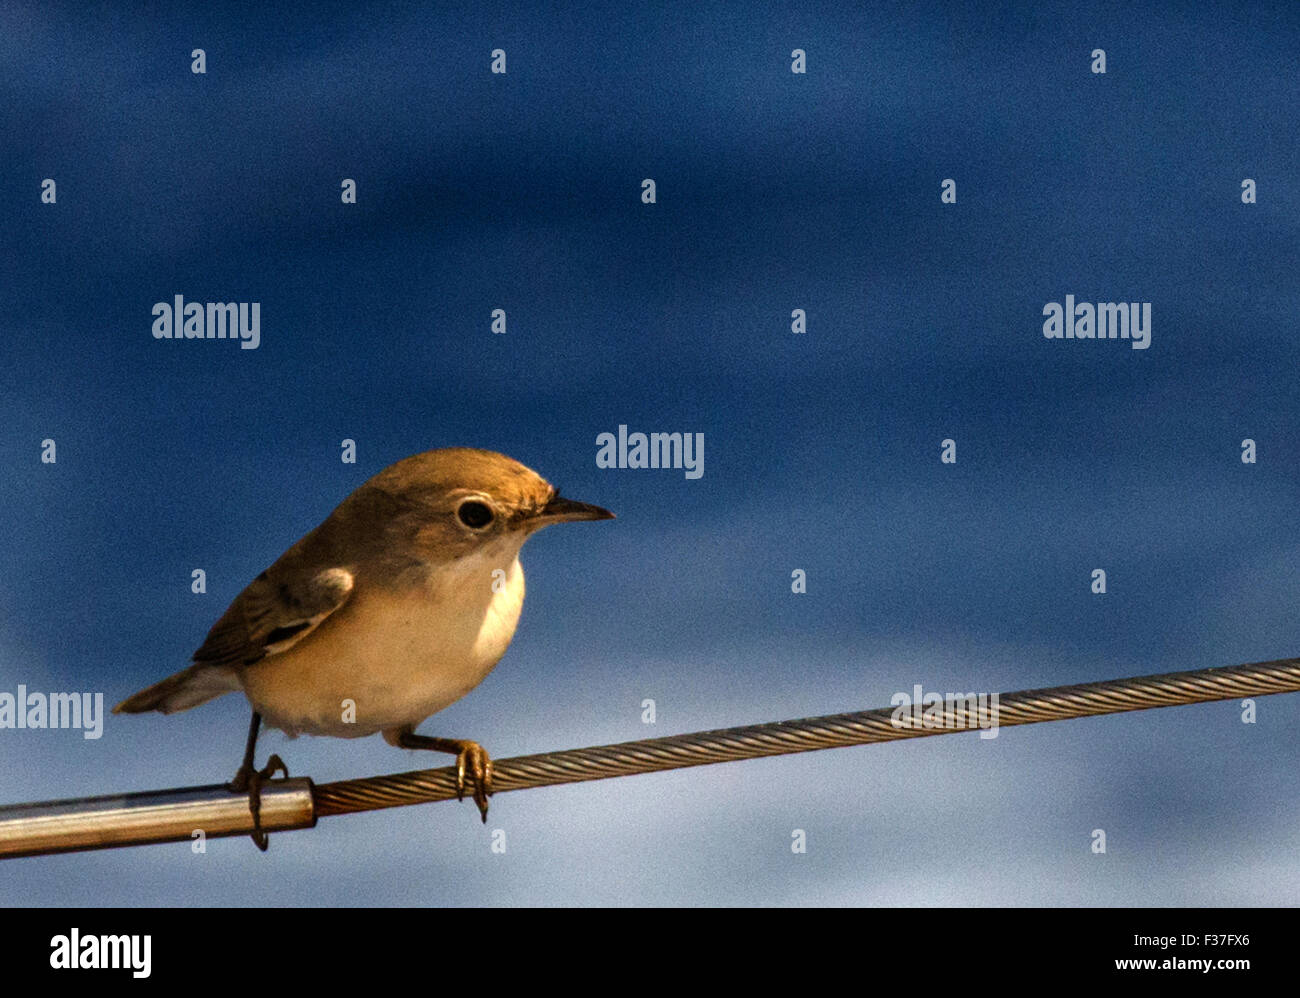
(476, 515)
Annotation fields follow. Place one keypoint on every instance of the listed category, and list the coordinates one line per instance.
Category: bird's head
(461, 500)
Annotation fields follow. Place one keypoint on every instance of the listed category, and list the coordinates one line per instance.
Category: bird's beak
(561, 510)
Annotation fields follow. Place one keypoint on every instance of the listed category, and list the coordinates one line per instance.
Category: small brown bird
(396, 606)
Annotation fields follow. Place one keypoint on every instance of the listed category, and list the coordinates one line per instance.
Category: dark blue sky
(775, 191)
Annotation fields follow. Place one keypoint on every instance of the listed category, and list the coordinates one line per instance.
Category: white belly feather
(397, 657)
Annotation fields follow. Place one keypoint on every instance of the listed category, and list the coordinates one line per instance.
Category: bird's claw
(249, 780)
(474, 757)
(472, 761)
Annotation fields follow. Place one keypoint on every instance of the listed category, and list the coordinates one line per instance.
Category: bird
(397, 605)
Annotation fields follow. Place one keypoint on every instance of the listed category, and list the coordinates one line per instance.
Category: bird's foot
(249, 780)
(471, 758)
(474, 757)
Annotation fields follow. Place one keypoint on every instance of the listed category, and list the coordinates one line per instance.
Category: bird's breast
(391, 658)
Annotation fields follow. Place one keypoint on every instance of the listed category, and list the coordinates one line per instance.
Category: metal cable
(141, 818)
(832, 731)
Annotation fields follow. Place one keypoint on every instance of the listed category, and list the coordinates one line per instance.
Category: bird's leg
(249, 780)
(469, 755)
(240, 783)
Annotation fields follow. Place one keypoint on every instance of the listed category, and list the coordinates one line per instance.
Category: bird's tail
(187, 688)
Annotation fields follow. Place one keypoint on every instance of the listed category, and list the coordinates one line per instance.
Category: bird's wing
(272, 615)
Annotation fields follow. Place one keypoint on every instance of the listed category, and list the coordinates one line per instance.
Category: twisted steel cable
(176, 815)
(809, 734)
